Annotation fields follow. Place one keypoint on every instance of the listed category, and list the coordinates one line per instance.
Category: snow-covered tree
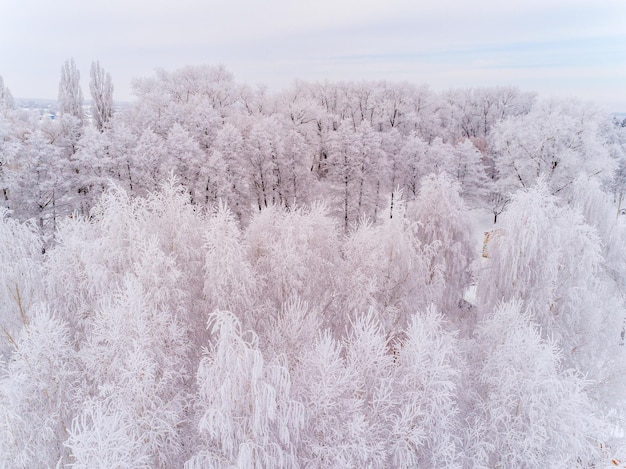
(294, 252)
(413, 164)
(229, 280)
(224, 174)
(556, 141)
(20, 277)
(39, 389)
(185, 159)
(197, 97)
(40, 188)
(298, 181)
(373, 403)
(92, 168)
(386, 268)
(101, 438)
(526, 409)
(263, 149)
(425, 423)
(145, 163)
(335, 431)
(353, 164)
(101, 89)
(443, 223)
(6, 98)
(70, 93)
(135, 358)
(246, 414)
(10, 148)
(549, 258)
(470, 173)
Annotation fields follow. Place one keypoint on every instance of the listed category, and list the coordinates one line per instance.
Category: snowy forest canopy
(217, 276)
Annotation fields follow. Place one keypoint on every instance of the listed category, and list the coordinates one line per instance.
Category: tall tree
(10, 148)
(556, 141)
(138, 371)
(294, 251)
(38, 392)
(354, 166)
(470, 172)
(386, 268)
(20, 277)
(443, 223)
(224, 174)
(68, 127)
(264, 154)
(550, 259)
(40, 188)
(184, 157)
(247, 416)
(6, 98)
(526, 410)
(70, 94)
(101, 89)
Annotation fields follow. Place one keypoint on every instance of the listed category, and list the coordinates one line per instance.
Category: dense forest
(214, 275)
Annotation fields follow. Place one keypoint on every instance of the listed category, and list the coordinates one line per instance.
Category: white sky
(561, 47)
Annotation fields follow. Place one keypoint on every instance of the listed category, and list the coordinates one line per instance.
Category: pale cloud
(532, 43)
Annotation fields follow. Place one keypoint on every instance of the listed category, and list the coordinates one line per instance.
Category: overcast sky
(561, 47)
